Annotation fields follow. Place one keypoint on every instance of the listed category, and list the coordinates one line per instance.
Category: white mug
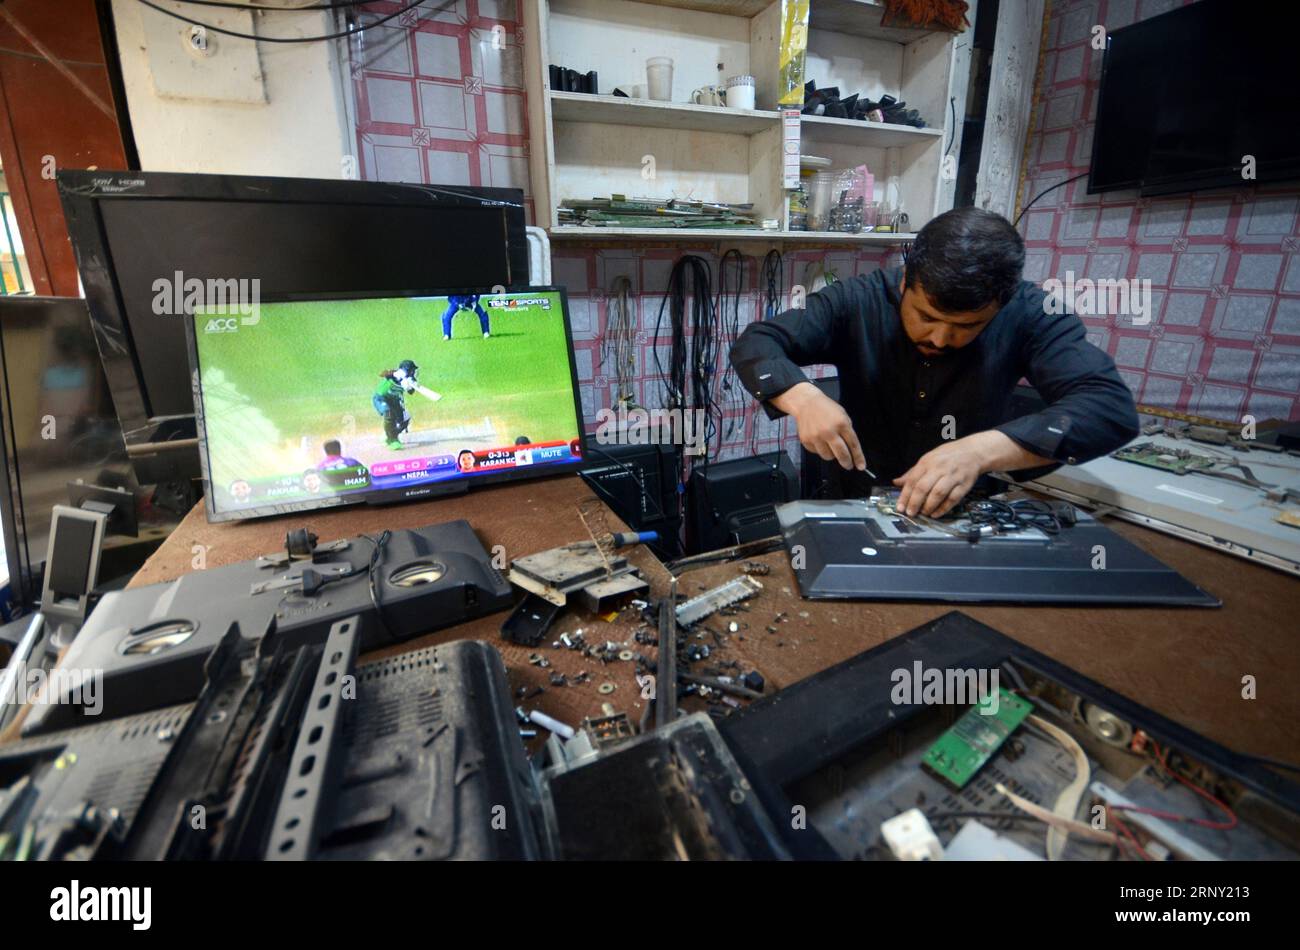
(709, 96)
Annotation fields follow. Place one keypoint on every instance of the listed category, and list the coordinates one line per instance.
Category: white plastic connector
(911, 838)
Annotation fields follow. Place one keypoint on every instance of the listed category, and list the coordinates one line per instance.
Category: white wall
(301, 127)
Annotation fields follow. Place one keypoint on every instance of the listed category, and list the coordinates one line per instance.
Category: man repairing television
(928, 356)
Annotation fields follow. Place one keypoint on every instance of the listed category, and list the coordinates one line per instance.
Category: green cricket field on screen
(307, 399)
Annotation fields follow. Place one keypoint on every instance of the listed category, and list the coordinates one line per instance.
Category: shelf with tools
(585, 146)
(648, 114)
(862, 134)
(859, 64)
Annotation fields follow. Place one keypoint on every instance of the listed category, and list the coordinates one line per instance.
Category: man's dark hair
(965, 259)
(332, 447)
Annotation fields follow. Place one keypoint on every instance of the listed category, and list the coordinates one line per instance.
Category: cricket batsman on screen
(389, 399)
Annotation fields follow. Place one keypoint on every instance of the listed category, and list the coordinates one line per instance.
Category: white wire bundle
(616, 346)
(1060, 820)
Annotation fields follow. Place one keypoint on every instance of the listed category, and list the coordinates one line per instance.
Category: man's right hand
(823, 426)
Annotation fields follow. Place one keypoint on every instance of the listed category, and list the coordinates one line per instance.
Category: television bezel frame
(428, 491)
(159, 445)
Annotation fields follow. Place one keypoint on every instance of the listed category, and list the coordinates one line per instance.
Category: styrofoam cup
(659, 78)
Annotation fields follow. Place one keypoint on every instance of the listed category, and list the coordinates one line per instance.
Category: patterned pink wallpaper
(440, 99)
(1224, 336)
(440, 95)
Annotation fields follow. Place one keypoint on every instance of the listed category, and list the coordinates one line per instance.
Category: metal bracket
(711, 601)
(666, 687)
(294, 578)
(313, 775)
(282, 559)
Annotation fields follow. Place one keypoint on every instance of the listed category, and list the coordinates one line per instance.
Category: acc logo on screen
(222, 325)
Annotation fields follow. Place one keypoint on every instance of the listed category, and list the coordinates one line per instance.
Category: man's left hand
(940, 478)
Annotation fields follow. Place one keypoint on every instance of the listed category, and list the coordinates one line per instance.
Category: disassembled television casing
(865, 549)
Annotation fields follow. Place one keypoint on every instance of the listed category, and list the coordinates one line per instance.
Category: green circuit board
(1178, 461)
(975, 738)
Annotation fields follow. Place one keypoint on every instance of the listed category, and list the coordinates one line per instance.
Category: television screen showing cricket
(309, 403)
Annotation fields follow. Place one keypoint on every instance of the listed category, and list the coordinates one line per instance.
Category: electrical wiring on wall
(305, 6)
(734, 404)
(617, 343)
(773, 285)
(359, 28)
(691, 374)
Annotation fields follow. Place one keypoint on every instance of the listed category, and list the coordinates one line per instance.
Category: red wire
(1169, 816)
(1124, 830)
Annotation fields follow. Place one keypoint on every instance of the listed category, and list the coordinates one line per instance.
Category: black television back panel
(861, 549)
(131, 230)
(423, 762)
(673, 794)
(152, 642)
(431, 765)
(735, 502)
(117, 763)
(851, 744)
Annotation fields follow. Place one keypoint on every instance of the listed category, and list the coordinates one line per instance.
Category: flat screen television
(131, 230)
(318, 400)
(1200, 97)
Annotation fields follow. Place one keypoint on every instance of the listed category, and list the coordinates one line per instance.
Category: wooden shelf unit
(585, 146)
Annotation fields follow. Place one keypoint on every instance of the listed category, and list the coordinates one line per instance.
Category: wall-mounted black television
(319, 400)
(133, 230)
(1200, 97)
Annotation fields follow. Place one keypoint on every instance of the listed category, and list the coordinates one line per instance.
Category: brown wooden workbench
(522, 517)
(1186, 664)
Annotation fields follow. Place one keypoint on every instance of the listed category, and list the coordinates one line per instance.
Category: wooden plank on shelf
(883, 238)
(858, 18)
(742, 8)
(648, 113)
(820, 128)
(579, 232)
(853, 17)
